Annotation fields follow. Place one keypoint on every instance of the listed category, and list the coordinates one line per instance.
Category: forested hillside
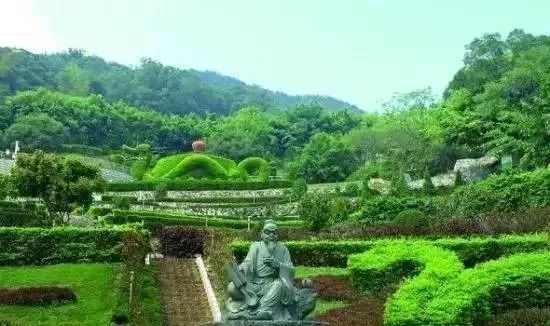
(498, 103)
(163, 88)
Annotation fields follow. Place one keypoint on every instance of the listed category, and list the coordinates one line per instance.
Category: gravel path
(182, 292)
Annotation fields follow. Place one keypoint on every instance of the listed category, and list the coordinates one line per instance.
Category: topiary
(411, 217)
(428, 187)
(255, 166)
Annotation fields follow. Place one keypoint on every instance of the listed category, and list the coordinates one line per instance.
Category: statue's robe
(274, 287)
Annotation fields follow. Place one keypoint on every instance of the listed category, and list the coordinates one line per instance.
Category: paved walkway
(182, 292)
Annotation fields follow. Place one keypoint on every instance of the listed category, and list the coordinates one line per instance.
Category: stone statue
(262, 286)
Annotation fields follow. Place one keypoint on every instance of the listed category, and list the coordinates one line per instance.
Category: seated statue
(262, 286)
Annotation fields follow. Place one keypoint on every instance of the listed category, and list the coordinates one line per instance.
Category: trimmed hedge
(23, 214)
(196, 185)
(153, 217)
(386, 264)
(37, 296)
(255, 166)
(187, 166)
(470, 251)
(519, 281)
(37, 246)
(212, 200)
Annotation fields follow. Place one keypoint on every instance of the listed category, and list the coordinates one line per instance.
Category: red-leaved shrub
(332, 287)
(181, 242)
(35, 296)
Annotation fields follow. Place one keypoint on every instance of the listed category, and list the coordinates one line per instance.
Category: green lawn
(92, 283)
(305, 271)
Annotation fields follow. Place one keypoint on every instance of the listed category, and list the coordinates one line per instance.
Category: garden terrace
(187, 185)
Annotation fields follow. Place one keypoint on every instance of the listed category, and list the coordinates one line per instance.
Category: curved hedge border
(37, 246)
(470, 251)
(198, 161)
(387, 264)
(197, 185)
(253, 164)
(519, 281)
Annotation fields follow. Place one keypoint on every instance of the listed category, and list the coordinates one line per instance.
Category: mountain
(166, 89)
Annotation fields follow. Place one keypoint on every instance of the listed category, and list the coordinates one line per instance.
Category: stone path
(182, 292)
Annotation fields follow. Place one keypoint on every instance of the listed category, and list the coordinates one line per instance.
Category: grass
(93, 284)
(322, 306)
(306, 271)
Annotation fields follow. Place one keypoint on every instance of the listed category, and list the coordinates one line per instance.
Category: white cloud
(22, 26)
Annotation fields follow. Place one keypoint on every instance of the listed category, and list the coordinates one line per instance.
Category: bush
(299, 189)
(120, 202)
(509, 283)
(23, 214)
(382, 208)
(255, 166)
(428, 187)
(181, 242)
(315, 210)
(388, 263)
(197, 185)
(500, 193)
(99, 211)
(412, 217)
(36, 246)
(352, 190)
(470, 251)
(37, 296)
(340, 208)
(116, 158)
(82, 149)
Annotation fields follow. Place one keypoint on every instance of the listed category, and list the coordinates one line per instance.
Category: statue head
(270, 233)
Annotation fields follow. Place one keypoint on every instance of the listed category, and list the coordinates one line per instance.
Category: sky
(360, 51)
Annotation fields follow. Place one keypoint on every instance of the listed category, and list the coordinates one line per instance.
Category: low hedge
(23, 214)
(38, 246)
(518, 281)
(37, 296)
(153, 217)
(150, 185)
(470, 251)
(386, 264)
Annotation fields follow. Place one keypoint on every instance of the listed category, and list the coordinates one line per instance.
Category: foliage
(181, 242)
(255, 166)
(412, 217)
(315, 209)
(23, 214)
(428, 186)
(62, 184)
(382, 208)
(36, 131)
(121, 202)
(299, 189)
(198, 185)
(472, 296)
(36, 246)
(470, 251)
(500, 193)
(36, 296)
(324, 159)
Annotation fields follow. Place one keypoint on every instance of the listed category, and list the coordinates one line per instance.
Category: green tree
(36, 131)
(62, 184)
(428, 187)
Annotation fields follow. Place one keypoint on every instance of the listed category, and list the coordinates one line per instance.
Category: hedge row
(22, 214)
(470, 251)
(37, 246)
(151, 185)
(151, 217)
(255, 166)
(208, 200)
(473, 296)
(387, 264)
(36, 296)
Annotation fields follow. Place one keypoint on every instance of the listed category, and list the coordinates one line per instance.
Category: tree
(428, 187)
(36, 131)
(324, 159)
(62, 184)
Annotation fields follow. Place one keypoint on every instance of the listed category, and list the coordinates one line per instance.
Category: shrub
(120, 202)
(352, 189)
(388, 263)
(116, 158)
(82, 149)
(428, 187)
(160, 191)
(255, 166)
(36, 246)
(382, 208)
(340, 208)
(315, 209)
(23, 214)
(333, 287)
(181, 242)
(412, 217)
(36, 296)
(509, 283)
(99, 211)
(470, 251)
(500, 193)
(299, 188)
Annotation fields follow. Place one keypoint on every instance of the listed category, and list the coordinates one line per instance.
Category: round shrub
(255, 166)
(412, 217)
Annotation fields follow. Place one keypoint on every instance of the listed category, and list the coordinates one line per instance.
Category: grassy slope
(91, 282)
